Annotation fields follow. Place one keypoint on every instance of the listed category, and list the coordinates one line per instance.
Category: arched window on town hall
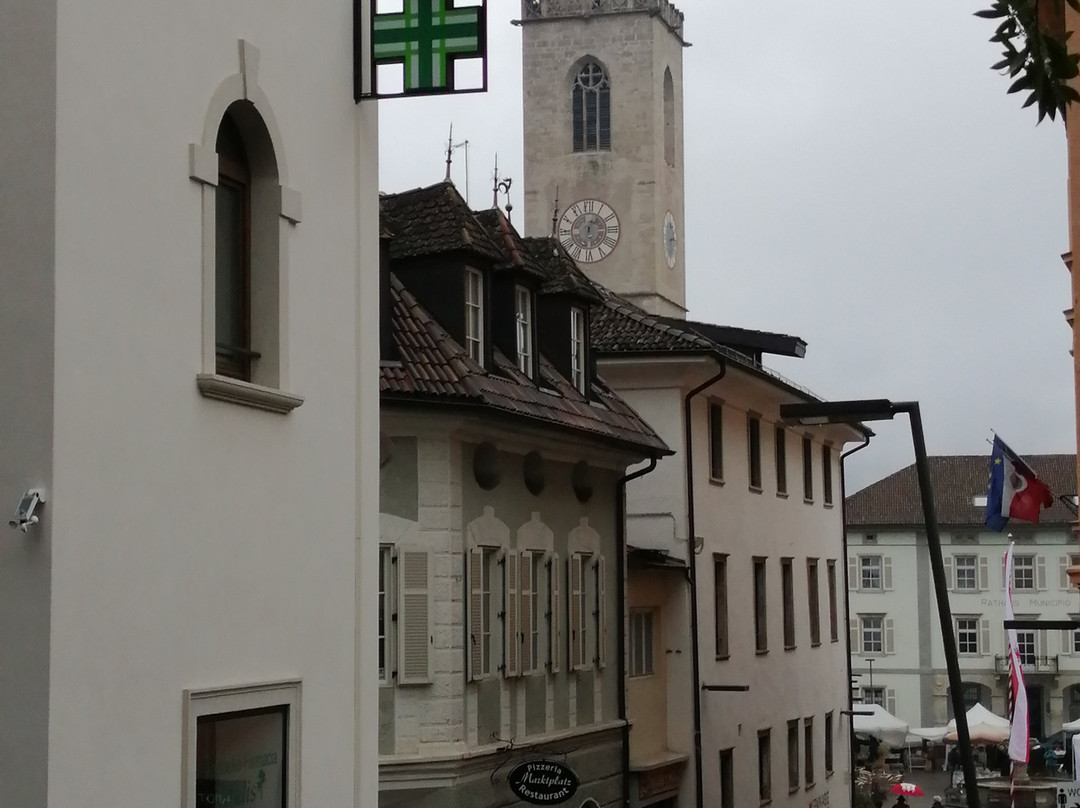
(247, 208)
(592, 108)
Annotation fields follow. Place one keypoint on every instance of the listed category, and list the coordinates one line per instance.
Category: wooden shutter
(853, 635)
(886, 572)
(1040, 573)
(574, 586)
(511, 641)
(555, 622)
(888, 630)
(1041, 643)
(984, 573)
(950, 581)
(1066, 642)
(853, 574)
(414, 610)
(1063, 565)
(984, 636)
(528, 664)
(476, 613)
(601, 613)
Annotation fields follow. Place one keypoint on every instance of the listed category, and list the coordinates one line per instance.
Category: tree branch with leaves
(1035, 54)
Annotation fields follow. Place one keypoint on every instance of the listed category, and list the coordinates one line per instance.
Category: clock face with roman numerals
(589, 230)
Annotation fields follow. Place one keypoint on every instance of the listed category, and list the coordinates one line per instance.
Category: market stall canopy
(1071, 726)
(880, 723)
(932, 734)
(983, 726)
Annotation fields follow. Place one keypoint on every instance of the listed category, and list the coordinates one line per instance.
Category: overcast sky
(857, 176)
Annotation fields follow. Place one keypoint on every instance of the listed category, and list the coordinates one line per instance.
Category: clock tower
(603, 141)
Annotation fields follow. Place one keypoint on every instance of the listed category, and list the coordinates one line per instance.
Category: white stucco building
(604, 164)
(897, 652)
(189, 233)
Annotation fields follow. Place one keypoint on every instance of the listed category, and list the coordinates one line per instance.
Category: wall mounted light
(24, 512)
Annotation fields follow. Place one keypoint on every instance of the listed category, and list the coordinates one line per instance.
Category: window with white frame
(967, 635)
(967, 572)
(578, 376)
(524, 319)
(1026, 647)
(474, 315)
(870, 576)
(873, 695)
(872, 634)
(1024, 573)
(1074, 645)
(531, 564)
(577, 584)
(386, 611)
(483, 566)
(241, 741)
(641, 642)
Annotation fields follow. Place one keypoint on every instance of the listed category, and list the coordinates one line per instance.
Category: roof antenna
(449, 151)
(502, 185)
(452, 147)
(555, 214)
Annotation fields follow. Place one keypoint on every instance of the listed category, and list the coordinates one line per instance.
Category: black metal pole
(941, 590)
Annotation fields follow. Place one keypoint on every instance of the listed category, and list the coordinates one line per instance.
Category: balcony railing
(540, 9)
(1030, 665)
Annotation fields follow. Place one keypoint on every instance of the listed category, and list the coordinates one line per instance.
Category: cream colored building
(188, 225)
(897, 652)
(604, 173)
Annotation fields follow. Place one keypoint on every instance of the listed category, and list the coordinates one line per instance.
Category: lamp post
(870, 662)
(848, 412)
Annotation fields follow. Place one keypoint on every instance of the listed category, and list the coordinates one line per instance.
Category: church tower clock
(603, 141)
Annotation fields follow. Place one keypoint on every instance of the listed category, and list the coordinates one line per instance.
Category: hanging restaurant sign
(543, 782)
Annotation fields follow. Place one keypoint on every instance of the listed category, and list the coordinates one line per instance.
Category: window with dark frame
(386, 610)
(808, 751)
(474, 315)
(716, 440)
(761, 626)
(232, 288)
(793, 755)
(238, 753)
(591, 100)
(721, 605)
(641, 643)
(781, 460)
(787, 580)
(828, 743)
(808, 469)
(524, 322)
(826, 475)
(764, 755)
(813, 600)
(753, 440)
(834, 622)
(727, 778)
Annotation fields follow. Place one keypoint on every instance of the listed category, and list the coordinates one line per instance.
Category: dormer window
(577, 349)
(524, 318)
(474, 315)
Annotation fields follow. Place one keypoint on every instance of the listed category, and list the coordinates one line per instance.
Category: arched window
(592, 109)
(247, 209)
(669, 118)
(1072, 702)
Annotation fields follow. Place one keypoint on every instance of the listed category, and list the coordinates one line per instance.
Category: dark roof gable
(434, 220)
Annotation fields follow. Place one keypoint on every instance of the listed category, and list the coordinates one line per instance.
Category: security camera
(24, 513)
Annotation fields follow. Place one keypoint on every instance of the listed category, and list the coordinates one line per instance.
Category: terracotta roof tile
(957, 480)
(434, 220)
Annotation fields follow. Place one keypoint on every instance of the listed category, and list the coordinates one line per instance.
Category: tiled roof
(434, 220)
(563, 275)
(435, 368)
(505, 236)
(957, 479)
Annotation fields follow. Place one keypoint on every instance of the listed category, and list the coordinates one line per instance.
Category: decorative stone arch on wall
(240, 98)
(398, 531)
(487, 530)
(584, 539)
(535, 535)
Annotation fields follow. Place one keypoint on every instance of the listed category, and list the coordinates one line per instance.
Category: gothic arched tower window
(669, 118)
(592, 109)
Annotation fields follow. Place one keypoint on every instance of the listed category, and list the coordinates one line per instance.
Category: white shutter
(601, 613)
(886, 572)
(890, 700)
(574, 585)
(853, 574)
(889, 649)
(476, 614)
(853, 635)
(984, 637)
(1063, 565)
(511, 640)
(1066, 642)
(1040, 573)
(528, 664)
(555, 633)
(950, 581)
(1042, 644)
(414, 665)
(984, 573)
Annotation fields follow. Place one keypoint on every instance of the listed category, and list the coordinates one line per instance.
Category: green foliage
(1035, 55)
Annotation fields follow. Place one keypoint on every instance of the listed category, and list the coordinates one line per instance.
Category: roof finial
(502, 185)
(449, 151)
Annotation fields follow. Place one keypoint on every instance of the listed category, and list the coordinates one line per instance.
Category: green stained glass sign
(426, 38)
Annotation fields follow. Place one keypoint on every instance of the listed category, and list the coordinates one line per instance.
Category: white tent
(880, 723)
(1071, 726)
(983, 726)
